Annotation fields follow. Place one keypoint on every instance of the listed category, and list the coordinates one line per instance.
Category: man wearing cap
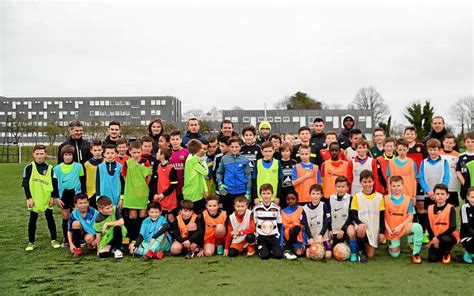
(264, 130)
(348, 123)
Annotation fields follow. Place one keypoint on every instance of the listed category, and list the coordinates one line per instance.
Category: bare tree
(368, 98)
(17, 127)
(461, 112)
(52, 130)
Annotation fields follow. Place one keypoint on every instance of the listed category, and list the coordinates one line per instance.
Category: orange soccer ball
(316, 251)
(341, 252)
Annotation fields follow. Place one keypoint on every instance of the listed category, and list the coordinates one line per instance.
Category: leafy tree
(420, 117)
(299, 101)
(387, 126)
(52, 130)
(368, 98)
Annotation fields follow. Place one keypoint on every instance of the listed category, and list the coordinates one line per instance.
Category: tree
(420, 117)
(206, 128)
(387, 126)
(95, 129)
(461, 112)
(237, 108)
(17, 127)
(299, 101)
(52, 130)
(368, 98)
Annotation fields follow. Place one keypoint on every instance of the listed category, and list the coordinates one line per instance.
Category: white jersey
(267, 219)
(240, 226)
(350, 153)
(315, 218)
(453, 179)
(357, 169)
(339, 211)
(369, 213)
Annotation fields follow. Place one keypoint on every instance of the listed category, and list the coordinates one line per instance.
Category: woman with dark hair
(155, 129)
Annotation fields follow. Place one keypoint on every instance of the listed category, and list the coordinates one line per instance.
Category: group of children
(231, 196)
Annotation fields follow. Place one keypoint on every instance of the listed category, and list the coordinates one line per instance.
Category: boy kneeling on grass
(109, 229)
(187, 232)
(81, 226)
(154, 238)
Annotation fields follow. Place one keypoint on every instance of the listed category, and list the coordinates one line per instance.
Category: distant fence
(10, 153)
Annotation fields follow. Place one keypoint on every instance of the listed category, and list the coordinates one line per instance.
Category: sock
(410, 239)
(417, 231)
(353, 245)
(64, 227)
(422, 220)
(394, 244)
(132, 226)
(76, 237)
(361, 245)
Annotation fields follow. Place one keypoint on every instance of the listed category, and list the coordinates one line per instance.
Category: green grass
(48, 271)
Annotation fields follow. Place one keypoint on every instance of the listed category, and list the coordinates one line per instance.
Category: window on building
(91, 103)
(260, 119)
(286, 118)
(142, 102)
(107, 103)
(97, 113)
(277, 118)
(102, 103)
(163, 102)
(97, 103)
(235, 119)
(270, 119)
(246, 119)
(91, 113)
(143, 113)
(127, 103)
(158, 102)
(361, 118)
(296, 119)
(153, 102)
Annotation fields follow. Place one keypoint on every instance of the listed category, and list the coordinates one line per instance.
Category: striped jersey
(267, 219)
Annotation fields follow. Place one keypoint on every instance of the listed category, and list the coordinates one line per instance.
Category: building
(133, 111)
(284, 121)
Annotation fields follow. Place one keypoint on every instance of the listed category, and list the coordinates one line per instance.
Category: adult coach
(83, 147)
(348, 123)
(227, 129)
(113, 133)
(155, 129)
(318, 137)
(438, 131)
(193, 125)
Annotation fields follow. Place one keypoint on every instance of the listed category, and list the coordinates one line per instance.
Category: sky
(244, 53)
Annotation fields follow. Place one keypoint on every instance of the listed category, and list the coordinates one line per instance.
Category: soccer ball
(316, 251)
(341, 252)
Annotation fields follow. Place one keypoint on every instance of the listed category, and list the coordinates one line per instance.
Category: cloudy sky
(239, 53)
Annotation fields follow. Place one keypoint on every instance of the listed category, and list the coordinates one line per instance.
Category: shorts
(420, 195)
(453, 198)
(68, 198)
(239, 246)
(174, 212)
(211, 240)
(327, 245)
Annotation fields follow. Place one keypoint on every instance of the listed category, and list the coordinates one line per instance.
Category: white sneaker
(289, 255)
(118, 254)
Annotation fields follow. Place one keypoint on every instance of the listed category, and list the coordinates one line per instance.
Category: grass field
(48, 271)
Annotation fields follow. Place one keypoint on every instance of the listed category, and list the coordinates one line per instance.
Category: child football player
(378, 136)
(109, 229)
(166, 185)
(178, 159)
(341, 221)
(331, 137)
(287, 165)
(81, 226)
(467, 226)
(442, 226)
(187, 232)
(90, 171)
(211, 155)
(291, 231)
(332, 169)
(250, 149)
(305, 174)
(39, 192)
(195, 172)
(147, 148)
(461, 167)
(164, 141)
(122, 153)
(214, 220)
(136, 192)
(316, 218)
(451, 155)
(109, 179)
(267, 217)
(368, 216)
(355, 136)
(382, 162)
(267, 171)
(399, 220)
(70, 178)
(154, 238)
(362, 161)
(240, 230)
